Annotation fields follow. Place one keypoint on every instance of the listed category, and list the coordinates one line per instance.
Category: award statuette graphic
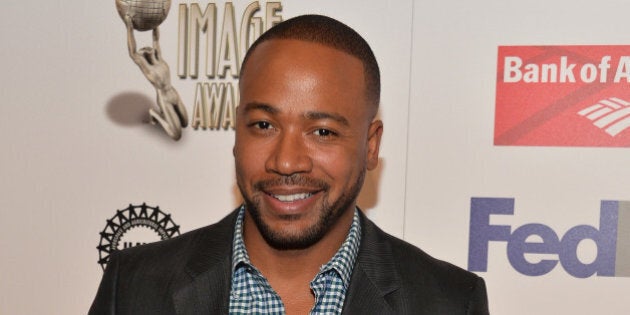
(144, 15)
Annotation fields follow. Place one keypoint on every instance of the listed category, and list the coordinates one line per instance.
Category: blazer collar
(374, 277)
(207, 290)
(208, 287)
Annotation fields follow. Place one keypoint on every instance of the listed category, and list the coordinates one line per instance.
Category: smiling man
(306, 134)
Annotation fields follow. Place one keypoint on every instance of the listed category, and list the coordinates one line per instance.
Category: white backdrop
(452, 157)
(75, 149)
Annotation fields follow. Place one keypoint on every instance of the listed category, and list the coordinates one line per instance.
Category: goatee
(329, 212)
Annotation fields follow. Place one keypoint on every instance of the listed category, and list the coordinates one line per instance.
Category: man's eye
(324, 132)
(262, 125)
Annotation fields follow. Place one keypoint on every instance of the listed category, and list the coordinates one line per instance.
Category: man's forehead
(310, 114)
(304, 78)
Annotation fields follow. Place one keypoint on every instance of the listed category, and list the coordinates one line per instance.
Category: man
(306, 134)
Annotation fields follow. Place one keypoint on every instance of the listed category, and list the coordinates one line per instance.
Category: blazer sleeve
(478, 304)
(105, 301)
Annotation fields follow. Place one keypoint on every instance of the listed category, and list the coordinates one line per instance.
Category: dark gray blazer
(191, 274)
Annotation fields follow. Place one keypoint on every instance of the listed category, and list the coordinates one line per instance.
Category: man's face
(304, 139)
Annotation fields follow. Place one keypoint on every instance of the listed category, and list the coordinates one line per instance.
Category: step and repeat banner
(505, 145)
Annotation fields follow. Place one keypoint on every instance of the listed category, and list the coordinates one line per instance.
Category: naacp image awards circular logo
(133, 226)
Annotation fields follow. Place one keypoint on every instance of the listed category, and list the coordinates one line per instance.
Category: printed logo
(541, 88)
(612, 115)
(212, 40)
(133, 226)
(211, 46)
(535, 249)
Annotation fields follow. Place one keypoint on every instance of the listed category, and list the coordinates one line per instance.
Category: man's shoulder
(409, 256)
(144, 279)
(417, 268)
(413, 281)
(173, 253)
(412, 258)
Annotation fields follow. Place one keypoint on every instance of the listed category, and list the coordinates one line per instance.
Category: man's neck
(294, 264)
(290, 272)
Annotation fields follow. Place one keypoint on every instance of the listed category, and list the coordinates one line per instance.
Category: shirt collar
(239, 253)
(342, 262)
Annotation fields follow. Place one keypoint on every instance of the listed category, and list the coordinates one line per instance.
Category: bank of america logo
(611, 115)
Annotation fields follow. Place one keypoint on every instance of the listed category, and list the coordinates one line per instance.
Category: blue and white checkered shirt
(251, 293)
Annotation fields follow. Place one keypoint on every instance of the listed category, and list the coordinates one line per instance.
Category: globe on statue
(145, 14)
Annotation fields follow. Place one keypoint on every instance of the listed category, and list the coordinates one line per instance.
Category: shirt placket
(319, 285)
(266, 299)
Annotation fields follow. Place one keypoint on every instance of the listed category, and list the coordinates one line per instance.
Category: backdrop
(499, 152)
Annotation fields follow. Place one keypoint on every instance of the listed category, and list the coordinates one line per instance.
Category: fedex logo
(612, 239)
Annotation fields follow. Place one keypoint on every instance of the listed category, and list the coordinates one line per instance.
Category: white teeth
(290, 198)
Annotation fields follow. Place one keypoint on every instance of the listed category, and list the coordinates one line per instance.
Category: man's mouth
(291, 192)
(292, 197)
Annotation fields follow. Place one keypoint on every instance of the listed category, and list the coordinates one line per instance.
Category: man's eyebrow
(260, 106)
(312, 115)
(324, 115)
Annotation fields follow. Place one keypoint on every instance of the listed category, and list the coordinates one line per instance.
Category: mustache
(292, 180)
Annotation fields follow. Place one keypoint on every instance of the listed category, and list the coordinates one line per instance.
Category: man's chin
(293, 242)
(291, 234)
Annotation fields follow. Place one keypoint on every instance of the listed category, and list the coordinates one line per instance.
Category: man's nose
(290, 154)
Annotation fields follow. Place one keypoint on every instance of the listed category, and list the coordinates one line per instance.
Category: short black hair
(332, 33)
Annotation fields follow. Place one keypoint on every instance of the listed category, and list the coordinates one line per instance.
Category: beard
(329, 211)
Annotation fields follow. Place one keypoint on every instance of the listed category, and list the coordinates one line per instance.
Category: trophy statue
(144, 15)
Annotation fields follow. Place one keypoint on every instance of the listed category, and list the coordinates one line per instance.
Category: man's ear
(374, 143)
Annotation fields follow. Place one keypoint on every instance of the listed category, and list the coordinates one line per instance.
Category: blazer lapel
(207, 289)
(209, 268)
(208, 293)
(374, 277)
